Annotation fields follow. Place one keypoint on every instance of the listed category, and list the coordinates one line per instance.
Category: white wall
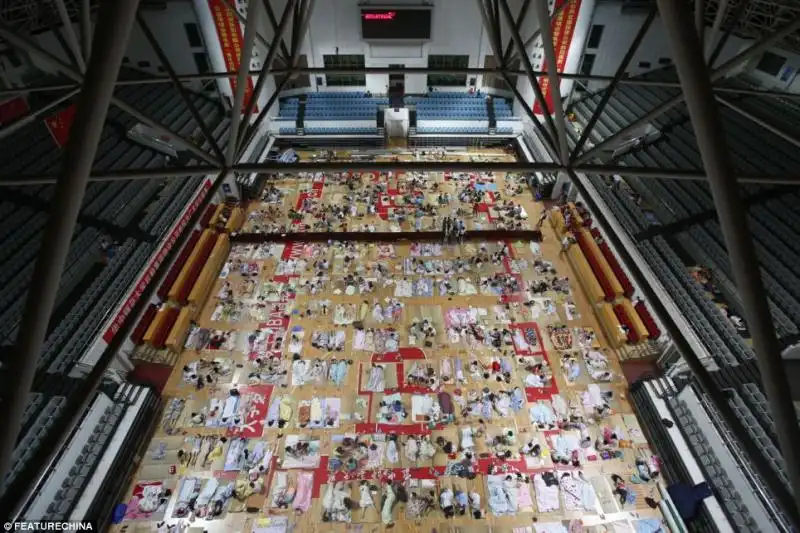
(168, 27)
(457, 29)
(619, 32)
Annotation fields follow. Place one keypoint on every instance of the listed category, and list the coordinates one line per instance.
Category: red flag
(60, 124)
(11, 110)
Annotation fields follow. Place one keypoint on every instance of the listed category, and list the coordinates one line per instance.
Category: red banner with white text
(563, 27)
(231, 40)
(60, 124)
(147, 276)
(11, 110)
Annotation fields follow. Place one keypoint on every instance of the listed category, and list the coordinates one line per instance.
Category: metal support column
(241, 79)
(86, 29)
(551, 60)
(262, 77)
(732, 214)
(716, 74)
(115, 21)
(722, 10)
(70, 35)
(623, 66)
(528, 67)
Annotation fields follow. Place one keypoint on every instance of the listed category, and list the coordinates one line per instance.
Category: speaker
(320, 80)
(473, 81)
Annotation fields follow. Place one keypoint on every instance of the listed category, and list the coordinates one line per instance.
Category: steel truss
(93, 71)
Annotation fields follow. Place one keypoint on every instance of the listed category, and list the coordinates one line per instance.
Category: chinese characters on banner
(60, 124)
(147, 276)
(563, 26)
(230, 39)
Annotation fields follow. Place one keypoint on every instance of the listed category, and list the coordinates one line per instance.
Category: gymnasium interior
(361, 266)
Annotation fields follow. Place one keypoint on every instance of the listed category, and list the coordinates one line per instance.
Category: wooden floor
(280, 308)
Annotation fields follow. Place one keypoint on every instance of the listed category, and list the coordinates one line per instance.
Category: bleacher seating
(674, 226)
(452, 106)
(342, 106)
(83, 483)
(341, 131)
(135, 213)
(773, 219)
(704, 435)
(454, 129)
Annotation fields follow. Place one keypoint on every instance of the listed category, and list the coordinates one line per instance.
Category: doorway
(397, 86)
(397, 81)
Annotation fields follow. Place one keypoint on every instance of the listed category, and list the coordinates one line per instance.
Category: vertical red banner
(230, 40)
(60, 124)
(11, 110)
(563, 28)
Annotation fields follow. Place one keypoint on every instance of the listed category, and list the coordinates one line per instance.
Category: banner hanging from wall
(231, 40)
(60, 125)
(563, 28)
(11, 110)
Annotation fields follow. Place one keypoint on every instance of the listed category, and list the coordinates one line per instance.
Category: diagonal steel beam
(304, 10)
(722, 10)
(537, 32)
(552, 75)
(523, 12)
(732, 214)
(488, 20)
(86, 29)
(252, 131)
(242, 77)
(26, 45)
(115, 23)
(761, 122)
(700, 19)
(528, 67)
(182, 91)
(268, 61)
(495, 44)
(275, 33)
(740, 11)
(69, 34)
(242, 19)
(716, 75)
(546, 137)
(494, 9)
(623, 66)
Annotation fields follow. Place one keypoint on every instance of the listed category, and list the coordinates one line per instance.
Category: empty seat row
(453, 129)
(341, 131)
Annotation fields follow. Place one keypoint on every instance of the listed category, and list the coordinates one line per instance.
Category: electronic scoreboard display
(396, 23)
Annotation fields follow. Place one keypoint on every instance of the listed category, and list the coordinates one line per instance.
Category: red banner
(60, 124)
(11, 110)
(563, 27)
(147, 277)
(230, 39)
